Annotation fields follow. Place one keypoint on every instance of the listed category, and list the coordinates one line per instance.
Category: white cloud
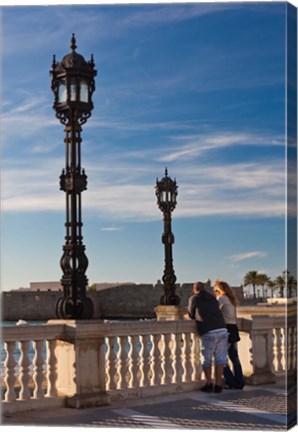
(247, 255)
(191, 146)
(111, 229)
(31, 115)
(122, 189)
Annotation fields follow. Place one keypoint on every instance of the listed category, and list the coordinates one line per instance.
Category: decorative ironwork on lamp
(73, 85)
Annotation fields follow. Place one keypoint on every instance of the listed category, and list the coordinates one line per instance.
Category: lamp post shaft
(74, 262)
(169, 277)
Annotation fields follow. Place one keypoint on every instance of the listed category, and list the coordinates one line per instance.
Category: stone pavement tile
(259, 399)
(97, 416)
(202, 415)
(232, 409)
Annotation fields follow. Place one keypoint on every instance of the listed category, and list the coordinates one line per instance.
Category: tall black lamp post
(166, 192)
(73, 85)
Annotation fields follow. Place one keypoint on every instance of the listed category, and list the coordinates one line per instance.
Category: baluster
(111, 363)
(168, 370)
(195, 357)
(177, 376)
(157, 360)
(278, 349)
(10, 378)
(283, 348)
(24, 363)
(274, 350)
(150, 360)
(51, 368)
(144, 361)
(294, 347)
(290, 349)
(38, 362)
(123, 366)
(186, 358)
(107, 363)
(133, 364)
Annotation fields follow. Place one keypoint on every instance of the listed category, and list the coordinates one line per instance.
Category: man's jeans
(215, 343)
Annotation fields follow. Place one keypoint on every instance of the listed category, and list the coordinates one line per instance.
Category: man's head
(197, 287)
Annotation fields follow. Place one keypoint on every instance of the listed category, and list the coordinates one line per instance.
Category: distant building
(45, 286)
(104, 285)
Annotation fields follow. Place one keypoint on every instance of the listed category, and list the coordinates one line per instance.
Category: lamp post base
(170, 300)
(66, 308)
(169, 313)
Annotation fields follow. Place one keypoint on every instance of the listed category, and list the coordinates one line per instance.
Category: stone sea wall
(124, 301)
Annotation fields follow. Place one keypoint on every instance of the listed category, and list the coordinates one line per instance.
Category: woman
(227, 303)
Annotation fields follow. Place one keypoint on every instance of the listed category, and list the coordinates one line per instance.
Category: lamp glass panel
(62, 91)
(164, 196)
(84, 96)
(73, 90)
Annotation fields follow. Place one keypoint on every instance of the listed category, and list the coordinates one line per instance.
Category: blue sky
(199, 88)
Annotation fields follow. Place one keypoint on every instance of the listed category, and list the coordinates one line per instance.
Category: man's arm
(191, 308)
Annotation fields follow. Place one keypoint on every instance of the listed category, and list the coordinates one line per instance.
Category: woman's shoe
(239, 386)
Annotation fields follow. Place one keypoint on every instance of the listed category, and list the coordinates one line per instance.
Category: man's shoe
(207, 388)
(217, 389)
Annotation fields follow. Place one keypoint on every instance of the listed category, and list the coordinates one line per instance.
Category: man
(204, 308)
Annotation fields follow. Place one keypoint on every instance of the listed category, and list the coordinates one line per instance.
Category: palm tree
(271, 284)
(280, 283)
(251, 278)
(262, 279)
(292, 285)
(290, 282)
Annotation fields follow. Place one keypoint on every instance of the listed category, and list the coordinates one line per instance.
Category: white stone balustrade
(30, 383)
(83, 363)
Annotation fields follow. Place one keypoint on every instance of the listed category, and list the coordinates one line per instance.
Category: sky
(198, 88)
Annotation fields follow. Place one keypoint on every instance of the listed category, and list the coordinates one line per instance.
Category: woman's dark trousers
(234, 379)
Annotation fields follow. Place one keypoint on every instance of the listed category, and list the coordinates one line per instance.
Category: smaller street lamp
(166, 193)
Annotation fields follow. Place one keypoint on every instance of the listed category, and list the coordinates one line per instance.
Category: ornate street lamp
(166, 192)
(73, 85)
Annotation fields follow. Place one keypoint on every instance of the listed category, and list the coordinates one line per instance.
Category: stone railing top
(98, 328)
(34, 332)
(72, 329)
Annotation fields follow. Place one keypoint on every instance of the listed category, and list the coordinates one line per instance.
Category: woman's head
(223, 288)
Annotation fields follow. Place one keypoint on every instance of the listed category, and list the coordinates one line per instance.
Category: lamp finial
(73, 43)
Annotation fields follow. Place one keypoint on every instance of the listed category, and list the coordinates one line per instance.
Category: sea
(17, 353)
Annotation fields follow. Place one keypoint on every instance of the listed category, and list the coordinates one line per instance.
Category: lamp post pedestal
(169, 313)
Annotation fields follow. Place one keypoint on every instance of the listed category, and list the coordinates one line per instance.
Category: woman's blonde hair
(225, 287)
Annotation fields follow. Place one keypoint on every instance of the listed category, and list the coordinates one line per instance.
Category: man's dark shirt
(204, 308)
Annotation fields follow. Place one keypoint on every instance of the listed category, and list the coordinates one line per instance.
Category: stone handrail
(83, 363)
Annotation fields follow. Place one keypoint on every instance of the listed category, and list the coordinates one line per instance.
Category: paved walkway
(253, 408)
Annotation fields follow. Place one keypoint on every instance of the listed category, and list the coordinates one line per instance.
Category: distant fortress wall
(124, 301)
